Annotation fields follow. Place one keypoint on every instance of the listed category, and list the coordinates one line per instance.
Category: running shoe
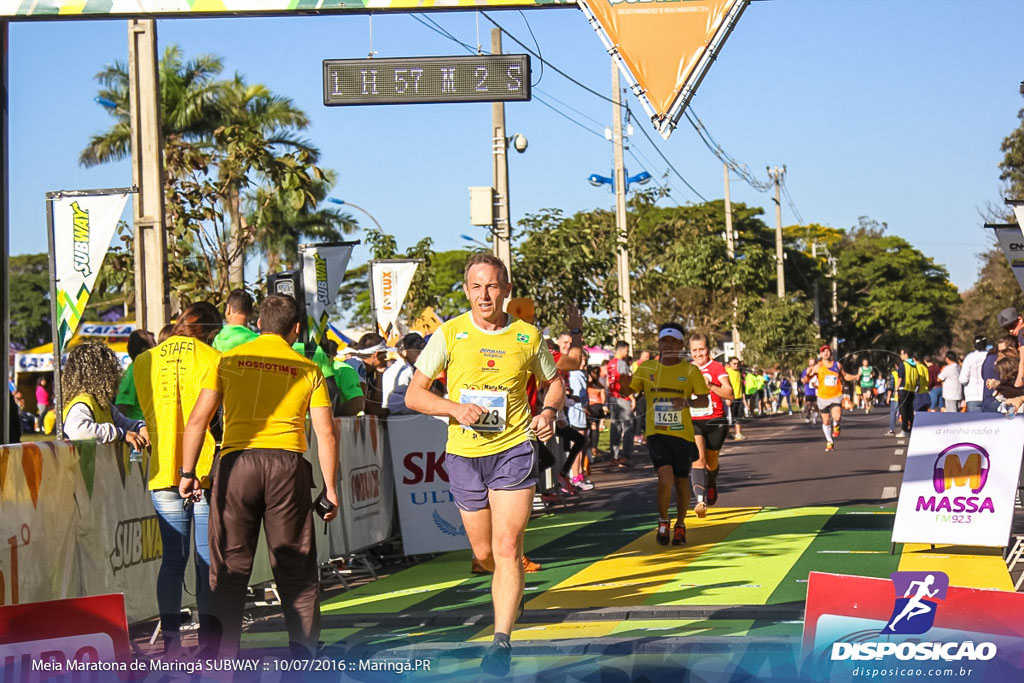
(738, 437)
(680, 536)
(902, 435)
(529, 566)
(829, 446)
(662, 537)
(712, 494)
(566, 485)
(890, 433)
(835, 431)
(700, 509)
(582, 484)
(497, 661)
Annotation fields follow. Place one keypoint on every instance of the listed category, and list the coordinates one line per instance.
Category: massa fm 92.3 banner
(666, 46)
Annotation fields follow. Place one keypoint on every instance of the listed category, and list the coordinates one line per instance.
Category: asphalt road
(782, 463)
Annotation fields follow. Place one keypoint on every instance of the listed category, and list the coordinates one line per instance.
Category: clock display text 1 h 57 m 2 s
(411, 80)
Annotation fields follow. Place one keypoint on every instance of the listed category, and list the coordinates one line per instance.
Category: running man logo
(321, 280)
(917, 596)
(136, 541)
(80, 220)
(387, 288)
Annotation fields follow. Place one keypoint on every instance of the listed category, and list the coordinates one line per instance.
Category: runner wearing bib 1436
(830, 393)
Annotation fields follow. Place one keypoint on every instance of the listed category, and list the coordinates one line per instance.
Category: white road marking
(889, 492)
(901, 442)
(899, 451)
(895, 468)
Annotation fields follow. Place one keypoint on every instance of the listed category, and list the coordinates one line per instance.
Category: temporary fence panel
(429, 519)
(365, 487)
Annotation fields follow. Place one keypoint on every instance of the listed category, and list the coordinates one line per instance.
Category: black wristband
(554, 410)
(186, 475)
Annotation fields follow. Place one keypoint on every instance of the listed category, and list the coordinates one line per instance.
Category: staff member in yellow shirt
(672, 386)
(487, 356)
(262, 478)
(167, 379)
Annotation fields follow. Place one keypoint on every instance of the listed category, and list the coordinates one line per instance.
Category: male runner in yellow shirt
(261, 477)
(670, 384)
(488, 356)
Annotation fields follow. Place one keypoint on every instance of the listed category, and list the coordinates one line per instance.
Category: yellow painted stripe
(970, 571)
(640, 628)
(640, 569)
(747, 567)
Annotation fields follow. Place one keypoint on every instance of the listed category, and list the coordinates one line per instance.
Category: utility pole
(151, 301)
(835, 303)
(817, 304)
(622, 241)
(730, 249)
(776, 174)
(502, 231)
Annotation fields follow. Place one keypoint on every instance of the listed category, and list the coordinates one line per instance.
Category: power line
(739, 168)
(567, 117)
(535, 42)
(570, 107)
(547, 63)
(792, 206)
(643, 129)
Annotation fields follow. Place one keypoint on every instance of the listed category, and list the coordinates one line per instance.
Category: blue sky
(892, 109)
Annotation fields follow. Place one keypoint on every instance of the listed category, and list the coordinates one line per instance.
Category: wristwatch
(186, 475)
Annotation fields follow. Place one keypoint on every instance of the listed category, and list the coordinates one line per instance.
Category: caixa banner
(426, 510)
(960, 479)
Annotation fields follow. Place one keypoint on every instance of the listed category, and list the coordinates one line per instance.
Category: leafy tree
(780, 333)
(995, 289)
(891, 294)
(1012, 166)
(29, 300)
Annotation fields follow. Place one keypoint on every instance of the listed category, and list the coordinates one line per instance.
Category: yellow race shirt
(492, 369)
(168, 379)
(267, 389)
(661, 383)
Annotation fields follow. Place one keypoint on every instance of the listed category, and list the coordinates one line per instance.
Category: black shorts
(713, 430)
(672, 451)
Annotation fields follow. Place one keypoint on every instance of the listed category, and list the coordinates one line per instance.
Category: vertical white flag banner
(390, 281)
(1012, 242)
(323, 269)
(83, 226)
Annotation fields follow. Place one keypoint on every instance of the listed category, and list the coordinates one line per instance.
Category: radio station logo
(959, 475)
(917, 600)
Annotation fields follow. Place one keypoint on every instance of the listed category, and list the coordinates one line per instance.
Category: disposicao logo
(916, 602)
(959, 467)
(914, 612)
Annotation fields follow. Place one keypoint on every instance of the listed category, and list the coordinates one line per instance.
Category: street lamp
(342, 202)
(475, 241)
(641, 178)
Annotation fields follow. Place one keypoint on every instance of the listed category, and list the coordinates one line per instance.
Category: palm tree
(278, 226)
(189, 96)
(265, 124)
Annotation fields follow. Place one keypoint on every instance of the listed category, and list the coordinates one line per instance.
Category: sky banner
(83, 225)
(1012, 242)
(323, 269)
(666, 46)
(389, 281)
(73, 9)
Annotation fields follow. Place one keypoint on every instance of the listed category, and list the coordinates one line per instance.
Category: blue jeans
(974, 406)
(894, 411)
(175, 532)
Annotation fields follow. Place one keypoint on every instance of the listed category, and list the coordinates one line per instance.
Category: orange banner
(662, 42)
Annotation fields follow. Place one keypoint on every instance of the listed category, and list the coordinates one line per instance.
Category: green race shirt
(126, 396)
(231, 336)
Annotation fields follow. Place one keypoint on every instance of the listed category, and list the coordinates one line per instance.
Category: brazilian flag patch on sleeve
(524, 338)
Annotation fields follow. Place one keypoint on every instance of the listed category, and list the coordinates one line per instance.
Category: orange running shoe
(530, 566)
(662, 537)
(680, 535)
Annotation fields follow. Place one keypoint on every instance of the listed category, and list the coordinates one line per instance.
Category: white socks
(827, 428)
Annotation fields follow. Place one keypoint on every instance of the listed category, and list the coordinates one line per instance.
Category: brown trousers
(271, 487)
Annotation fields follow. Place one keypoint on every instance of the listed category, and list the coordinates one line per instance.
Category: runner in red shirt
(710, 425)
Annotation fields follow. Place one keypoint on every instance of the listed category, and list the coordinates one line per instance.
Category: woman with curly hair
(90, 377)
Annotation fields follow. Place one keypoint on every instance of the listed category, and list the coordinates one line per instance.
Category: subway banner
(83, 225)
(323, 269)
(1012, 242)
(389, 283)
(1018, 211)
(667, 46)
(74, 9)
(960, 479)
